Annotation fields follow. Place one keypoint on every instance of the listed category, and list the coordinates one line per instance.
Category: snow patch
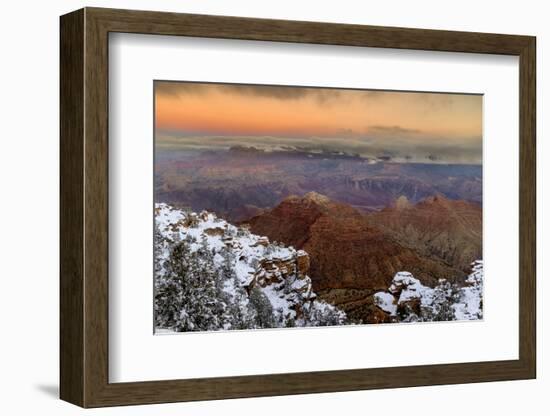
(386, 302)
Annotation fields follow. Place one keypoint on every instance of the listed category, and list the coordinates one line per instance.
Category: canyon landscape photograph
(286, 206)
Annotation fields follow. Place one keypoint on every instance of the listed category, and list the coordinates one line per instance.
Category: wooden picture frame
(84, 207)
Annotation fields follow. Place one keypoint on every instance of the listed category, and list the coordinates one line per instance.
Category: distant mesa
(317, 198)
(314, 201)
(291, 151)
(402, 203)
(245, 149)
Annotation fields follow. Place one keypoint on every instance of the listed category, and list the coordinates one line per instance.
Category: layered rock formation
(275, 269)
(346, 250)
(408, 300)
(436, 227)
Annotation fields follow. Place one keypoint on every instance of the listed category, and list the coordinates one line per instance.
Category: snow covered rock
(408, 300)
(242, 280)
(471, 303)
(386, 302)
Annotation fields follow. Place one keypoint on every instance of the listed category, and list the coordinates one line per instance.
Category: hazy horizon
(406, 126)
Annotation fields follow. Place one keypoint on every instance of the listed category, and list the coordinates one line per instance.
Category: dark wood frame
(84, 209)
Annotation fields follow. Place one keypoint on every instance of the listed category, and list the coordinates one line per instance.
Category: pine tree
(241, 314)
(171, 292)
(264, 311)
(443, 297)
(323, 314)
(188, 296)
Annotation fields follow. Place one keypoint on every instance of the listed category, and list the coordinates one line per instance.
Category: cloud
(392, 130)
(466, 150)
(174, 89)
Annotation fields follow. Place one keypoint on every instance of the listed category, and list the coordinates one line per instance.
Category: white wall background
(29, 208)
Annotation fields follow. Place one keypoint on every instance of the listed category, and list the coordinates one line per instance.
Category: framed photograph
(255, 207)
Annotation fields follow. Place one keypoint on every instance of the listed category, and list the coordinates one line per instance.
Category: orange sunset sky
(445, 127)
